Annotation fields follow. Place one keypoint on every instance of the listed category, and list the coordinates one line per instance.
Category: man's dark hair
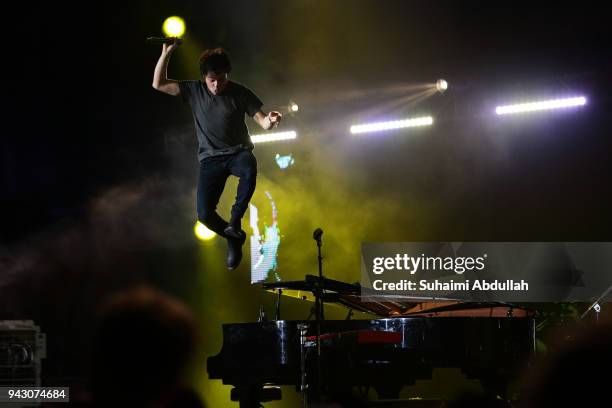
(215, 61)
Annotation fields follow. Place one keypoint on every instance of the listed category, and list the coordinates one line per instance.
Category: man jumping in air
(218, 106)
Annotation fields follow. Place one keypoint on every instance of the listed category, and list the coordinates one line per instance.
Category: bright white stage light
(273, 137)
(441, 85)
(293, 107)
(396, 124)
(541, 105)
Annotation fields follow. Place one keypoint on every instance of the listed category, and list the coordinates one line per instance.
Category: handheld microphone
(316, 235)
(164, 40)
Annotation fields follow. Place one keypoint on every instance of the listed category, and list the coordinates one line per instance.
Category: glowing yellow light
(174, 27)
(203, 233)
(294, 107)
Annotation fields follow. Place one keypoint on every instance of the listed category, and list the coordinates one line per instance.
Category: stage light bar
(541, 105)
(273, 137)
(396, 124)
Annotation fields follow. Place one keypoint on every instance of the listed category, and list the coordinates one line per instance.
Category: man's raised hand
(274, 117)
(169, 48)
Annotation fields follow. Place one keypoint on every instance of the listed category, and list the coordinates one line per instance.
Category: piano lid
(310, 284)
(350, 296)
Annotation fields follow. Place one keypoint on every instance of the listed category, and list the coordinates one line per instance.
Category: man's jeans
(214, 172)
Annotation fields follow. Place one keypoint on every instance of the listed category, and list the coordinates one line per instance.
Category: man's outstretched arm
(269, 121)
(160, 75)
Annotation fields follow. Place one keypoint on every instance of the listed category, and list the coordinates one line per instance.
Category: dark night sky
(83, 116)
(92, 158)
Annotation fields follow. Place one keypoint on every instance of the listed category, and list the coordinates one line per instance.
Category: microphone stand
(278, 303)
(319, 316)
(320, 282)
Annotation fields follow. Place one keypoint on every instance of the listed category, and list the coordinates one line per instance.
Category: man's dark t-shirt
(219, 120)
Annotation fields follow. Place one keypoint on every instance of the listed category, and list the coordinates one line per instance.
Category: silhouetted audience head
(144, 341)
(575, 372)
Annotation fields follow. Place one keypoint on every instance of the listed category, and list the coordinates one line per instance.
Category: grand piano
(341, 360)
